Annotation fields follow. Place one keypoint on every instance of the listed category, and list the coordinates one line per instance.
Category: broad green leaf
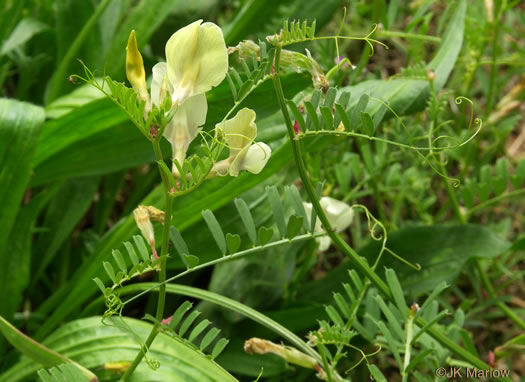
(64, 212)
(17, 264)
(25, 29)
(39, 353)
(57, 81)
(451, 43)
(93, 344)
(19, 129)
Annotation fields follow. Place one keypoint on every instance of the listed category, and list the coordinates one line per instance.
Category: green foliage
(63, 372)
(387, 133)
(183, 319)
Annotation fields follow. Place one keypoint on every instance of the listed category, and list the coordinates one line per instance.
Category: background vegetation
(74, 167)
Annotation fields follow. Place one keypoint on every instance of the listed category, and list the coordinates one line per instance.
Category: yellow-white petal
(324, 243)
(308, 208)
(239, 132)
(339, 214)
(159, 77)
(142, 219)
(256, 157)
(197, 60)
(184, 126)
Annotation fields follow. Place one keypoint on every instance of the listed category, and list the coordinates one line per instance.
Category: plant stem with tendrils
(358, 262)
(162, 271)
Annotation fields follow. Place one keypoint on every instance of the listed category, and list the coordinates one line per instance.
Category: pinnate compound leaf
(62, 373)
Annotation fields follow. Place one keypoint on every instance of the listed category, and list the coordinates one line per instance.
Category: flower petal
(197, 60)
(240, 131)
(339, 214)
(184, 126)
(324, 243)
(159, 74)
(308, 208)
(256, 157)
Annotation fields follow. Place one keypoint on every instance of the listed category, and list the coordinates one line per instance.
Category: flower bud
(141, 214)
(289, 354)
(135, 68)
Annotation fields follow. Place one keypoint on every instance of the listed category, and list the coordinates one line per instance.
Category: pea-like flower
(245, 154)
(196, 61)
(143, 216)
(339, 214)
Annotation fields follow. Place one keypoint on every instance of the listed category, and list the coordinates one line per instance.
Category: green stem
(492, 293)
(452, 197)
(495, 200)
(162, 271)
(358, 262)
(413, 36)
(59, 77)
(235, 256)
(326, 365)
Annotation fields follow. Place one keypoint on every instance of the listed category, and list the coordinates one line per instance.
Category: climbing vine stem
(162, 271)
(358, 262)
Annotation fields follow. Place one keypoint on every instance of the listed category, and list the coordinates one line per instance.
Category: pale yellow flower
(339, 215)
(245, 154)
